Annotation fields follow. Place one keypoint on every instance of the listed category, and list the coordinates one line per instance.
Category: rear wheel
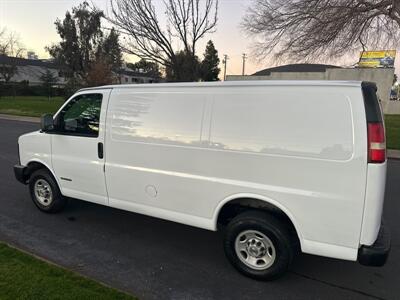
(259, 245)
(45, 192)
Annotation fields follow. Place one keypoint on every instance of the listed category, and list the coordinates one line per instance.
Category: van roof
(233, 83)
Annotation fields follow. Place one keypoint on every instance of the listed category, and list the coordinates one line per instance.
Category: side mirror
(47, 122)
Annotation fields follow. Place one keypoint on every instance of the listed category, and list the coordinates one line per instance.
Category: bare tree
(303, 29)
(11, 49)
(187, 22)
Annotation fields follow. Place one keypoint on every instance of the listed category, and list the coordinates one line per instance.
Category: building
(127, 75)
(31, 55)
(383, 77)
(31, 71)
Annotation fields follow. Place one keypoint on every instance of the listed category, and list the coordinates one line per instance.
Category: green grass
(25, 277)
(392, 123)
(29, 106)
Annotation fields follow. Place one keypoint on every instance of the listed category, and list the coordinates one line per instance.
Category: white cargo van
(279, 166)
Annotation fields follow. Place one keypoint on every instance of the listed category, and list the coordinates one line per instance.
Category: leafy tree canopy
(185, 68)
(210, 64)
(83, 42)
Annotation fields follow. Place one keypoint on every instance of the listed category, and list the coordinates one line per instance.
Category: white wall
(33, 75)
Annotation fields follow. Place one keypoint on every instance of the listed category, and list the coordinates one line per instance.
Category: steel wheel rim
(43, 192)
(255, 249)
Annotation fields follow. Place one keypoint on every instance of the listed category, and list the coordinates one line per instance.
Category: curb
(20, 118)
(393, 154)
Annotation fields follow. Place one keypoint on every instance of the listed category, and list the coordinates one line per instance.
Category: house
(127, 75)
(31, 70)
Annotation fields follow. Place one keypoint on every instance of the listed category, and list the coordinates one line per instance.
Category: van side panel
(154, 152)
(302, 122)
(184, 150)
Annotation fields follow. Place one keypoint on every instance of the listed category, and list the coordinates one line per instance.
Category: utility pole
(244, 57)
(224, 61)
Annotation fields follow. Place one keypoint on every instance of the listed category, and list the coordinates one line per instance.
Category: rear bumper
(20, 173)
(376, 254)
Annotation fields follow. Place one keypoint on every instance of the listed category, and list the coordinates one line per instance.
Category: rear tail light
(376, 143)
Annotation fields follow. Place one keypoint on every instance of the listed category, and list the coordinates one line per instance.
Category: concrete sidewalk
(394, 154)
(20, 118)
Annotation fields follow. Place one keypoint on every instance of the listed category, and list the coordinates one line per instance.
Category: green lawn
(392, 123)
(25, 277)
(29, 106)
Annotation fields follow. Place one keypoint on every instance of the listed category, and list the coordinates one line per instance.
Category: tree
(83, 43)
(10, 47)
(302, 29)
(186, 68)
(100, 73)
(210, 64)
(48, 79)
(80, 34)
(188, 21)
(148, 67)
(111, 51)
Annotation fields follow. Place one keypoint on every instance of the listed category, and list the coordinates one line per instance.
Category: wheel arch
(36, 164)
(255, 201)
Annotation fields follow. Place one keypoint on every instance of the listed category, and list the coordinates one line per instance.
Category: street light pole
(225, 60)
(244, 57)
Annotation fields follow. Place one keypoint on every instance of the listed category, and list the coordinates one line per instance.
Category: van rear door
(376, 171)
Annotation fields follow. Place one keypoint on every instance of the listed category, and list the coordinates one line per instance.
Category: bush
(24, 89)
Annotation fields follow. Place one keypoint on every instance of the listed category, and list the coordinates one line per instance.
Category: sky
(33, 21)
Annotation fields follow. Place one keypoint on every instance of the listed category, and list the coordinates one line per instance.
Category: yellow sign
(377, 59)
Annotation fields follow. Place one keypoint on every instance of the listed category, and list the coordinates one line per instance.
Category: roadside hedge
(24, 89)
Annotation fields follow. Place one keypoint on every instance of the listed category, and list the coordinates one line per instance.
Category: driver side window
(81, 115)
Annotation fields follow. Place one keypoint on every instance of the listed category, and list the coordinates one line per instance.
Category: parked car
(393, 95)
(279, 166)
(387, 62)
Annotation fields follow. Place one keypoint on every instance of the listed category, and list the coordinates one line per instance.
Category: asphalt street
(156, 259)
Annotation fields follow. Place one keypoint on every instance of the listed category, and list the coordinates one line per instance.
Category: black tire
(277, 232)
(58, 201)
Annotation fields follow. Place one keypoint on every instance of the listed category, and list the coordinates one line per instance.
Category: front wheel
(259, 245)
(45, 192)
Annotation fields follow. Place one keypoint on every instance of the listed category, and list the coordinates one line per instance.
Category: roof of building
(48, 64)
(130, 72)
(296, 68)
(4, 59)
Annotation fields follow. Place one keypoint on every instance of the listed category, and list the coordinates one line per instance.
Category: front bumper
(376, 254)
(20, 173)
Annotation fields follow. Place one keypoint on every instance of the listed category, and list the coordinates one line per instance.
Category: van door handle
(100, 151)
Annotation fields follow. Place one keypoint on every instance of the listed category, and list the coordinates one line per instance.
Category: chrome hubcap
(43, 192)
(255, 249)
